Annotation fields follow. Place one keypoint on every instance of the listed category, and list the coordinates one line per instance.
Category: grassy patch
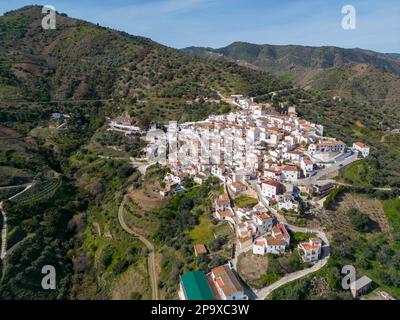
(359, 174)
(206, 231)
(392, 211)
(297, 237)
(222, 229)
(203, 232)
(245, 202)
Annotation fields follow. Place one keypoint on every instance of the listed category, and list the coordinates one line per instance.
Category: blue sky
(216, 23)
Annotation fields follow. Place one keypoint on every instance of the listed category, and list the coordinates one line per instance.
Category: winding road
(264, 292)
(3, 234)
(3, 252)
(261, 294)
(151, 258)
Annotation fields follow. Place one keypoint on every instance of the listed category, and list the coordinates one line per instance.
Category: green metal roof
(196, 287)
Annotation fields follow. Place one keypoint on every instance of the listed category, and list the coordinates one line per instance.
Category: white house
(263, 220)
(327, 146)
(276, 243)
(253, 134)
(200, 178)
(269, 245)
(225, 215)
(294, 155)
(227, 283)
(362, 148)
(290, 173)
(310, 250)
(218, 170)
(271, 188)
(222, 203)
(272, 173)
(287, 203)
(238, 187)
(172, 179)
(307, 166)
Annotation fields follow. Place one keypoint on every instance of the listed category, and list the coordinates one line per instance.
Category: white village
(281, 160)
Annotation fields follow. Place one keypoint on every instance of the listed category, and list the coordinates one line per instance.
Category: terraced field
(39, 191)
(338, 220)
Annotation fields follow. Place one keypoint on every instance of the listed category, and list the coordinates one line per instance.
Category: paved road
(277, 215)
(3, 233)
(19, 193)
(264, 292)
(327, 171)
(10, 187)
(3, 252)
(148, 244)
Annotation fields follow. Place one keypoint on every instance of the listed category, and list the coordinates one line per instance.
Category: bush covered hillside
(80, 60)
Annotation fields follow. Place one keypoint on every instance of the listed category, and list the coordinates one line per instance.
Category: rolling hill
(361, 75)
(80, 60)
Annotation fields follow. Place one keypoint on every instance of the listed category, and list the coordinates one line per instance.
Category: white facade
(327, 146)
(362, 148)
(290, 174)
(270, 188)
(311, 250)
(263, 220)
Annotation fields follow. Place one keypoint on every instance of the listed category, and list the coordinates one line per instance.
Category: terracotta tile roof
(295, 152)
(222, 202)
(214, 289)
(289, 168)
(308, 246)
(360, 144)
(272, 183)
(330, 144)
(263, 217)
(226, 213)
(271, 241)
(200, 249)
(226, 280)
(259, 243)
(238, 184)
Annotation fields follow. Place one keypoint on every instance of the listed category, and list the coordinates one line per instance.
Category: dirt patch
(251, 267)
(147, 200)
(359, 124)
(96, 226)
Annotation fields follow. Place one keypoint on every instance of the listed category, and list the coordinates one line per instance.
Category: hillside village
(280, 160)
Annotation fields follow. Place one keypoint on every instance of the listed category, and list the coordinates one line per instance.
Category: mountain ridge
(81, 60)
(240, 50)
(358, 74)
